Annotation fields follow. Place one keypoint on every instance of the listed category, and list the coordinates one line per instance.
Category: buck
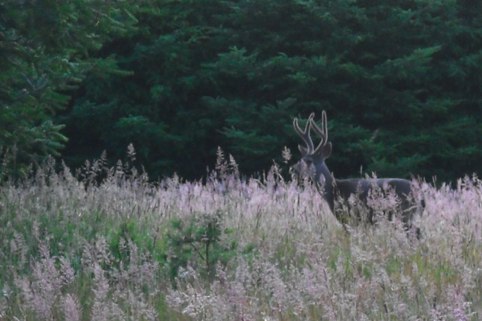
(312, 165)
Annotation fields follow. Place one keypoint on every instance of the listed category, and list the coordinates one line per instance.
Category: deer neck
(325, 180)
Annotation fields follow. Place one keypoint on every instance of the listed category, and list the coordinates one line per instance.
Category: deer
(312, 166)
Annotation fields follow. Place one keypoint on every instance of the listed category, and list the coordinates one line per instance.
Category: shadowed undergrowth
(109, 245)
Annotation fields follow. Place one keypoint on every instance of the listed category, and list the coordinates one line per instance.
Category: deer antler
(323, 131)
(305, 134)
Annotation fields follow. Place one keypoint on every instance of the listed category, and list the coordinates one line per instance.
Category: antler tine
(323, 131)
(305, 134)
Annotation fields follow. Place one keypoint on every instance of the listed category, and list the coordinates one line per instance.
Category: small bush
(198, 241)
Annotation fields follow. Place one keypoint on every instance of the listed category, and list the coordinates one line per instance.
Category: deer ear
(303, 150)
(326, 150)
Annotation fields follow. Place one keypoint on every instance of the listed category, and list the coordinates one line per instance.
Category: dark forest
(401, 82)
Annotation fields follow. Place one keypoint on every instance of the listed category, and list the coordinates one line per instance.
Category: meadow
(108, 244)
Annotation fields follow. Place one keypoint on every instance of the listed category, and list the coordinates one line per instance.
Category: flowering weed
(109, 245)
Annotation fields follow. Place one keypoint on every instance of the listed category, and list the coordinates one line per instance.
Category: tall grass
(106, 244)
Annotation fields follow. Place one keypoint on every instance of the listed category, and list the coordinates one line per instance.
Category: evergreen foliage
(400, 81)
(45, 50)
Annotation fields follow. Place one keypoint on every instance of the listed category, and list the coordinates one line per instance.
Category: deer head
(312, 163)
(312, 159)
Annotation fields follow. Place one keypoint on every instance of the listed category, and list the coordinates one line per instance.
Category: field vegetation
(107, 244)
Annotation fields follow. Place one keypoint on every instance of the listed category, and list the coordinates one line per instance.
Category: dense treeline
(400, 81)
(46, 50)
